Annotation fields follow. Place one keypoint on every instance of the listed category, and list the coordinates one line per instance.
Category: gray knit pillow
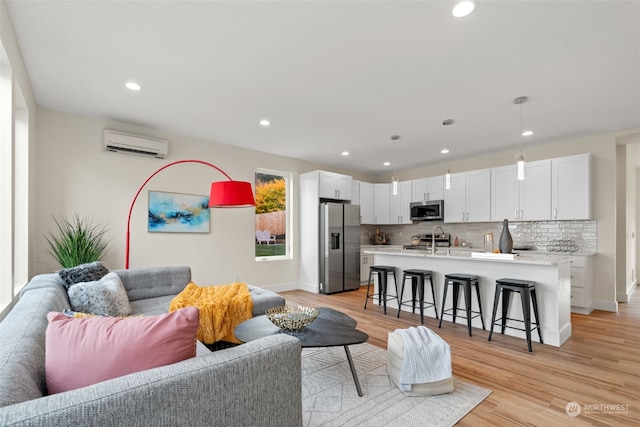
(89, 272)
(105, 296)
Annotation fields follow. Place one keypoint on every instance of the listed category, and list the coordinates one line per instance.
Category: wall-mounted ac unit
(118, 142)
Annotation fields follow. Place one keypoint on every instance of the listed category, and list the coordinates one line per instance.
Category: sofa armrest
(257, 383)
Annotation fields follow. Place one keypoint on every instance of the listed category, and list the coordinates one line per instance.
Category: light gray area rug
(329, 396)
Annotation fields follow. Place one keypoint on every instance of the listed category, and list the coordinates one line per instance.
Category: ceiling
(336, 76)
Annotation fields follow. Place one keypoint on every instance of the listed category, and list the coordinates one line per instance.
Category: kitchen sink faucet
(433, 238)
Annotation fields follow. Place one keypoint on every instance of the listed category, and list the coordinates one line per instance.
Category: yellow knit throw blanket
(222, 308)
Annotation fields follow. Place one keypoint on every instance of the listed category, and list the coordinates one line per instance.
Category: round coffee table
(330, 329)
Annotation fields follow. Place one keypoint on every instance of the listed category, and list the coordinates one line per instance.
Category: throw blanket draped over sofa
(222, 308)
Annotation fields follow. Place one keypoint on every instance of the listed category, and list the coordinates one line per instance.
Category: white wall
(75, 175)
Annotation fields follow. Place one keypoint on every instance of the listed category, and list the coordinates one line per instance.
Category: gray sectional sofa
(253, 384)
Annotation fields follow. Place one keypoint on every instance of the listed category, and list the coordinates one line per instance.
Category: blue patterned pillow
(89, 272)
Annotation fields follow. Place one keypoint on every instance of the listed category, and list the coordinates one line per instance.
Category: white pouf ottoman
(429, 370)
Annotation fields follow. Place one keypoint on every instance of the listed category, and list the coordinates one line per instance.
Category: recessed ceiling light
(464, 8)
(387, 163)
(133, 86)
(527, 133)
(444, 151)
(265, 122)
(345, 153)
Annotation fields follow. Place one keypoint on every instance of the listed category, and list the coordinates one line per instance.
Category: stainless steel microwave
(428, 210)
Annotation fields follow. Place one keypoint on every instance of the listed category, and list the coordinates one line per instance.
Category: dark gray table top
(322, 332)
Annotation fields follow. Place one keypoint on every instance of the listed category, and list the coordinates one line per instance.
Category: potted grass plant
(77, 241)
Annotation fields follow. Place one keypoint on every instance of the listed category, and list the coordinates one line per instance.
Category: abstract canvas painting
(178, 213)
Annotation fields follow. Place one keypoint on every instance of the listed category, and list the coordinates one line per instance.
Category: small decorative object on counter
(456, 242)
(506, 241)
(488, 241)
(379, 238)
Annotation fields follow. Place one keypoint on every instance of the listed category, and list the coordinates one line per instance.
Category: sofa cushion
(142, 283)
(84, 351)
(263, 300)
(89, 272)
(104, 296)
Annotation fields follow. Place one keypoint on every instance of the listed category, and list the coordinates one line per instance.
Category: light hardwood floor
(598, 365)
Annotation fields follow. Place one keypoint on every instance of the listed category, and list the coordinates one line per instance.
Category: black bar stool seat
(464, 281)
(382, 271)
(527, 291)
(417, 287)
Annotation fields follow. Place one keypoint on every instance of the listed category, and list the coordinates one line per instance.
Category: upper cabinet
(528, 200)
(427, 189)
(367, 214)
(571, 187)
(381, 203)
(378, 204)
(335, 186)
(355, 192)
(469, 198)
(400, 210)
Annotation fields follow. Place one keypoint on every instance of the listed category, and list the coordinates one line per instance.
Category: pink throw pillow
(83, 351)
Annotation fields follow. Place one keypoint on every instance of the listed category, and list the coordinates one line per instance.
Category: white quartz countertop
(455, 253)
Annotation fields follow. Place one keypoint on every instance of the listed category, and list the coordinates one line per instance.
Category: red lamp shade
(231, 194)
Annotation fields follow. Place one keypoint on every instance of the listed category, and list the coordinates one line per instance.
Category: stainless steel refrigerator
(339, 247)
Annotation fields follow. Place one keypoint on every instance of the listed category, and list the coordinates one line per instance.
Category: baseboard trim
(605, 305)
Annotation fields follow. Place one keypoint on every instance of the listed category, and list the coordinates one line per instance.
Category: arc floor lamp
(223, 194)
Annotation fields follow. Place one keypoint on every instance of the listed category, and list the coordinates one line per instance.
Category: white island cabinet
(552, 277)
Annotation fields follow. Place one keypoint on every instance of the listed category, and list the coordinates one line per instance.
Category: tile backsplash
(537, 234)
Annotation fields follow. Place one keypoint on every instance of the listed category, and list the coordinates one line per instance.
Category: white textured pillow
(105, 296)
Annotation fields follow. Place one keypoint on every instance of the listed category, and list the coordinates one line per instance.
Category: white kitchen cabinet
(381, 203)
(469, 198)
(355, 192)
(427, 189)
(581, 284)
(571, 187)
(399, 208)
(528, 200)
(367, 208)
(335, 186)
(366, 261)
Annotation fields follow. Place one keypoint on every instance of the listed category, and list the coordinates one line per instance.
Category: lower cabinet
(581, 284)
(366, 261)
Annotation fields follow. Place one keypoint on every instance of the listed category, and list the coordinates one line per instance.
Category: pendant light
(447, 174)
(524, 132)
(394, 185)
(394, 178)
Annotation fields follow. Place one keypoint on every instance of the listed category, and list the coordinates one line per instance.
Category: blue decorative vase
(506, 241)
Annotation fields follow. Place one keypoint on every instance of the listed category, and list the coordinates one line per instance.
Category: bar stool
(417, 285)
(527, 291)
(465, 281)
(382, 271)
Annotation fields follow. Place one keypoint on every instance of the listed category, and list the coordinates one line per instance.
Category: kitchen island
(552, 277)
